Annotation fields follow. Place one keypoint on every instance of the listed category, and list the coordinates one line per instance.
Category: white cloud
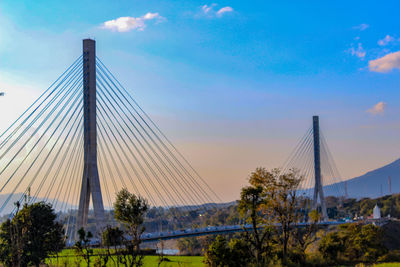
(361, 27)
(378, 108)
(209, 10)
(358, 52)
(206, 9)
(224, 10)
(386, 40)
(125, 24)
(150, 15)
(386, 63)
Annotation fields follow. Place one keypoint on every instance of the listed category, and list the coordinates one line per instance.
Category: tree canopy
(30, 236)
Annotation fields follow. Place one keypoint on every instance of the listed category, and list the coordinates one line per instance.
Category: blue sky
(234, 84)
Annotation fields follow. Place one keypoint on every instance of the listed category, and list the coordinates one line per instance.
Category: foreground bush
(31, 236)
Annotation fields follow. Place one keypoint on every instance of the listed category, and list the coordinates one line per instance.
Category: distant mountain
(17, 197)
(371, 183)
(208, 206)
(13, 199)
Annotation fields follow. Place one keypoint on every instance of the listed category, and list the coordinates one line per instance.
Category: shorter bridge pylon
(318, 191)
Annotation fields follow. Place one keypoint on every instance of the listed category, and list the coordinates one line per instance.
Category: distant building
(376, 214)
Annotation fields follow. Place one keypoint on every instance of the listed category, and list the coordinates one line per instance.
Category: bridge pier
(317, 170)
(90, 179)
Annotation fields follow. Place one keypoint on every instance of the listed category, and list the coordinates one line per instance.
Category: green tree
(234, 253)
(271, 199)
(282, 203)
(112, 238)
(303, 237)
(189, 245)
(240, 253)
(353, 243)
(31, 236)
(10, 244)
(330, 246)
(259, 236)
(82, 246)
(130, 211)
(218, 253)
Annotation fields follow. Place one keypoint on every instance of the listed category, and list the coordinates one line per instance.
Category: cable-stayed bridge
(313, 159)
(86, 137)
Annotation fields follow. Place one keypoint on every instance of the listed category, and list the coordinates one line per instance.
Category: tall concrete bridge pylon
(317, 170)
(90, 179)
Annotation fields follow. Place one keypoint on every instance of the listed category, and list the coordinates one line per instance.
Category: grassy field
(393, 264)
(68, 258)
(174, 261)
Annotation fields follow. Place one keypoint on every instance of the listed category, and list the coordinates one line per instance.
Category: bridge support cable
(112, 159)
(120, 160)
(73, 174)
(71, 227)
(121, 137)
(307, 184)
(65, 138)
(305, 166)
(118, 153)
(147, 133)
(300, 160)
(35, 145)
(42, 123)
(155, 162)
(107, 128)
(305, 188)
(49, 168)
(143, 158)
(103, 181)
(77, 170)
(142, 126)
(38, 103)
(60, 175)
(74, 98)
(158, 162)
(58, 92)
(293, 159)
(68, 173)
(34, 133)
(165, 161)
(62, 94)
(334, 182)
(166, 143)
(104, 161)
(69, 201)
(30, 136)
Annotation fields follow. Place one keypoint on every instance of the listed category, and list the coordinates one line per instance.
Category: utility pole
(90, 179)
(390, 185)
(317, 170)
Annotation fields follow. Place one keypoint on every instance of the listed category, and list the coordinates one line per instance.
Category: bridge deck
(212, 230)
